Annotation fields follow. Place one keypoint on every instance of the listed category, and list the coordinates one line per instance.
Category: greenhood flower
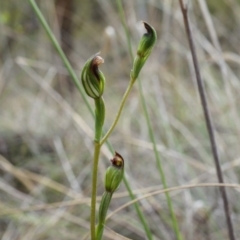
(114, 173)
(144, 49)
(92, 78)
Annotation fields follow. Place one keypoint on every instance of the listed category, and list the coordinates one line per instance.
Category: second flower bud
(114, 173)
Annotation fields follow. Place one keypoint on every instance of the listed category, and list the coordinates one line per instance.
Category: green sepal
(92, 78)
(144, 49)
(114, 173)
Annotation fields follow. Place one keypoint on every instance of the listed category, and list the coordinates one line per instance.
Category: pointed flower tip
(148, 40)
(92, 78)
(145, 47)
(97, 60)
(150, 31)
(147, 26)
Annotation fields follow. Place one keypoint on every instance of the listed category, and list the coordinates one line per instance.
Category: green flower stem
(129, 88)
(61, 53)
(99, 118)
(103, 208)
(97, 148)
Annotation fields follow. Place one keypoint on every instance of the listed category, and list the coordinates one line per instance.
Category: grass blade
(150, 130)
(208, 120)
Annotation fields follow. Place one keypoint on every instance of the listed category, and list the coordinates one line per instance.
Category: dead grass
(46, 130)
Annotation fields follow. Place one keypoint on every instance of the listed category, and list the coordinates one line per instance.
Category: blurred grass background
(46, 132)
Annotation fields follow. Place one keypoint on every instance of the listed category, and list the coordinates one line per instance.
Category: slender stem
(163, 179)
(130, 85)
(127, 185)
(103, 208)
(61, 53)
(97, 148)
(121, 12)
(99, 120)
(138, 210)
(161, 172)
(159, 164)
(99, 117)
(207, 119)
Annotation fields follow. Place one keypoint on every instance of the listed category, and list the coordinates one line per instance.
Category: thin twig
(208, 120)
(123, 101)
(171, 189)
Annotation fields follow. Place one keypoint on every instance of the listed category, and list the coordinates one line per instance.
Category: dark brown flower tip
(97, 60)
(144, 49)
(148, 27)
(117, 160)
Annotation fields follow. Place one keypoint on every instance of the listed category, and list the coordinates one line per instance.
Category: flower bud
(144, 49)
(114, 173)
(92, 78)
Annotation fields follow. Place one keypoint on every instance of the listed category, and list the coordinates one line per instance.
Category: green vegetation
(50, 134)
